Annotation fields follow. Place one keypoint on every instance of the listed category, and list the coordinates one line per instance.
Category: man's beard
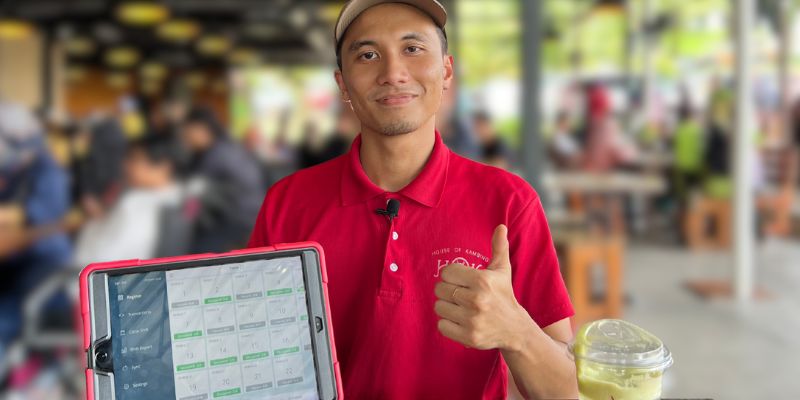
(397, 128)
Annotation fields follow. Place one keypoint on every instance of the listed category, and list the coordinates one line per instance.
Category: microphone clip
(392, 209)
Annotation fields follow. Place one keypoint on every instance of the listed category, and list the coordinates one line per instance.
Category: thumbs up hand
(477, 307)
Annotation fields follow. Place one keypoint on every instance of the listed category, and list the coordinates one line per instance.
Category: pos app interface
(233, 331)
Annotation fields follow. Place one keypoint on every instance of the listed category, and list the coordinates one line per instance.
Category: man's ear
(448, 71)
(342, 87)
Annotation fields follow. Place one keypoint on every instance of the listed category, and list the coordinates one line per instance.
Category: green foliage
(489, 40)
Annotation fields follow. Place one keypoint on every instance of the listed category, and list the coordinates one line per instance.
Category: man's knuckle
(447, 273)
(483, 282)
(474, 338)
(481, 302)
(440, 326)
(439, 290)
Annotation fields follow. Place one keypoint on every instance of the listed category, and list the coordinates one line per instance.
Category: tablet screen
(233, 331)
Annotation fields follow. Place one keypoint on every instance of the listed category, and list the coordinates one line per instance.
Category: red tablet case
(84, 293)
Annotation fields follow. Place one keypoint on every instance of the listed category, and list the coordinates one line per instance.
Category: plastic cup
(618, 360)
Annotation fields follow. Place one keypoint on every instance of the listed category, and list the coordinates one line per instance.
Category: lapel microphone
(392, 209)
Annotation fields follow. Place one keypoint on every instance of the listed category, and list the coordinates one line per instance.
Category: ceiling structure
(277, 31)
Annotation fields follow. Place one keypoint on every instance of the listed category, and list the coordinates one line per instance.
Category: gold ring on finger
(454, 293)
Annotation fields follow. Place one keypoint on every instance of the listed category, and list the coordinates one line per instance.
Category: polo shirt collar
(426, 188)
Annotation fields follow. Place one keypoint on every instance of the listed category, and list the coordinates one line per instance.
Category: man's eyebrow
(408, 36)
(361, 43)
(414, 36)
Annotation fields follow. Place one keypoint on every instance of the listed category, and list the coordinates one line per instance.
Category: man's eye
(413, 49)
(370, 55)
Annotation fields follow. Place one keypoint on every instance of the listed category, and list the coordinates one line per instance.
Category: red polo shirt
(382, 274)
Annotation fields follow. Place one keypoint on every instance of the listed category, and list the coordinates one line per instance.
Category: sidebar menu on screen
(141, 347)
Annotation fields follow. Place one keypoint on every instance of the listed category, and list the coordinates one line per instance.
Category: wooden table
(612, 182)
(604, 193)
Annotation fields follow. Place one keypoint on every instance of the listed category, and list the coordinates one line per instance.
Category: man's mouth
(396, 99)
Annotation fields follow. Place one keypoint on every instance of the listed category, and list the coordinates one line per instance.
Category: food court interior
(663, 137)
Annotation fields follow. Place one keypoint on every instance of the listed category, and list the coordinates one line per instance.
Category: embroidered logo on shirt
(458, 255)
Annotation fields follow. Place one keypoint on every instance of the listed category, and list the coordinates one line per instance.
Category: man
(234, 179)
(34, 197)
(424, 304)
(494, 150)
(132, 227)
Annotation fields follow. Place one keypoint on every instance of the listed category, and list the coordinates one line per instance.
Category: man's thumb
(500, 257)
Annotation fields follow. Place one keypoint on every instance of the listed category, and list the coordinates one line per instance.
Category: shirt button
(393, 267)
(394, 235)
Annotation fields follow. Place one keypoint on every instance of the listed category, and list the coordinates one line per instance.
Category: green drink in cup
(618, 360)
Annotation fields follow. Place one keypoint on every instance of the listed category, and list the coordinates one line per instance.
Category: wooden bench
(775, 204)
(581, 257)
(707, 223)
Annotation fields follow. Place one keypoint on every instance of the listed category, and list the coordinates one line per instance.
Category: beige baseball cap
(354, 8)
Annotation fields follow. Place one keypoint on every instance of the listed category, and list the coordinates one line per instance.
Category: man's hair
(204, 116)
(439, 32)
(156, 148)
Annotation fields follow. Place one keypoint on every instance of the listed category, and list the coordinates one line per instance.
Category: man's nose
(393, 71)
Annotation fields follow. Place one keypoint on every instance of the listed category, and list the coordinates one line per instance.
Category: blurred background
(662, 136)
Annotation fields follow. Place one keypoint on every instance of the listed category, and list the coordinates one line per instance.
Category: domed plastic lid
(618, 343)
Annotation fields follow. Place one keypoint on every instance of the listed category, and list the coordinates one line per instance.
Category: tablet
(249, 324)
